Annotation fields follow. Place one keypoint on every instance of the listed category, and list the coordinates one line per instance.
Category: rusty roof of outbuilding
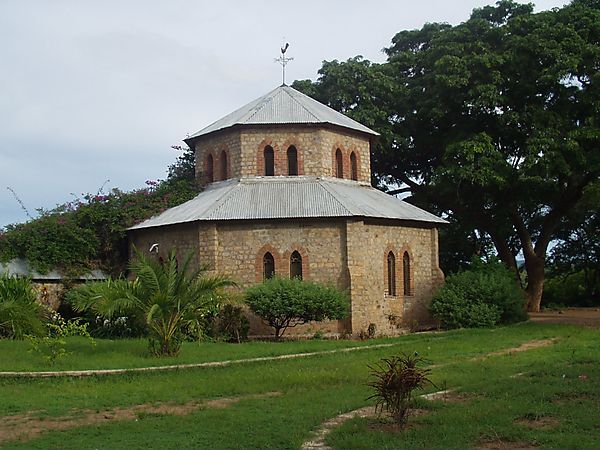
(289, 198)
(283, 105)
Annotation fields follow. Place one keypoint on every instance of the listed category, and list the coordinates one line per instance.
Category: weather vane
(283, 60)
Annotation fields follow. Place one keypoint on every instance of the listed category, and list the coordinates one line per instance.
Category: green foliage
(231, 324)
(53, 346)
(394, 380)
(574, 266)
(492, 121)
(172, 299)
(20, 312)
(483, 296)
(89, 232)
(287, 302)
(570, 289)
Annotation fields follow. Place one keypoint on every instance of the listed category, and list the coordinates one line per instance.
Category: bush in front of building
(287, 302)
(484, 295)
(20, 312)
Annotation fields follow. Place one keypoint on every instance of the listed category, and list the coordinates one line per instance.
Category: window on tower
(339, 164)
(269, 156)
(292, 157)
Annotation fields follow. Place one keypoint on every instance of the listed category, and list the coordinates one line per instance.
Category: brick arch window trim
(339, 163)
(209, 168)
(353, 166)
(292, 160)
(391, 273)
(269, 161)
(304, 260)
(407, 281)
(268, 266)
(259, 263)
(224, 165)
(391, 286)
(295, 265)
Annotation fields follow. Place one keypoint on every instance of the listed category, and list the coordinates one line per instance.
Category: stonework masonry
(316, 149)
(348, 253)
(352, 253)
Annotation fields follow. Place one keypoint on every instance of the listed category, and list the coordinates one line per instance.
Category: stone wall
(349, 253)
(369, 243)
(316, 147)
(183, 237)
(240, 248)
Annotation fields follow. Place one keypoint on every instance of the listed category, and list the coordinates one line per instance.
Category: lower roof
(295, 197)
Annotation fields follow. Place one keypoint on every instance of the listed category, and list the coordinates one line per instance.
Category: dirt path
(589, 317)
(90, 373)
(27, 426)
(318, 440)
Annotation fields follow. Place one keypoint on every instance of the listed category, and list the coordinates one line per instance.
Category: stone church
(287, 192)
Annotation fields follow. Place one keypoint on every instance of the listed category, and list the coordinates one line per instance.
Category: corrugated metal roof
(289, 198)
(20, 267)
(283, 105)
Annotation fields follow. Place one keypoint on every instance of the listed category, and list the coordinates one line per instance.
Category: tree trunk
(535, 281)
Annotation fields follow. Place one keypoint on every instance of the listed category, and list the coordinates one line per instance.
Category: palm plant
(172, 298)
(20, 312)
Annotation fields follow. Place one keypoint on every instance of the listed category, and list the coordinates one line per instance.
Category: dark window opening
(339, 164)
(354, 166)
(209, 169)
(292, 156)
(223, 165)
(391, 272)
(268, 266)
(406, 274)
(296, 265)
(269, 161)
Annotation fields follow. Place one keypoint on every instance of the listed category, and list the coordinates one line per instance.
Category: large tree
(494, 121)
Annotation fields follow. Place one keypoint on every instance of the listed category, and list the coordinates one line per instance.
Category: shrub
(483, 296)
(172, 299)
(53, 346)
(231, 324)
(394, 381)
(20, 312)
(287, 302)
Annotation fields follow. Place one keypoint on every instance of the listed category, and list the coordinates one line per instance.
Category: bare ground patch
(537, 422)
(521, 348)
(502, 444)
(27, 426)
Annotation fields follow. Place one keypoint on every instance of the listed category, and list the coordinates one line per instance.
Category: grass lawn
(559, 407)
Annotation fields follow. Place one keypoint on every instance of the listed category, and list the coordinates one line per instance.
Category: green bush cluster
(89, 232)
(484, 295)
(20, 313)
(287, 302)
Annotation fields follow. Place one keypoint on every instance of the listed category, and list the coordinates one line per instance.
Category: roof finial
(283, 60)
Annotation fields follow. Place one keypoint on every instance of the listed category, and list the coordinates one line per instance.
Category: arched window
(406, 274)
(339, 164)
(209, 169)
(223, 165)
(292, 157)
(353, 166)
(391, 273)
(268, 266)
(296, 265)
(269, 155)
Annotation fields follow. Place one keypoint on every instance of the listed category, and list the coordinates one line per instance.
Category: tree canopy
(492, 122)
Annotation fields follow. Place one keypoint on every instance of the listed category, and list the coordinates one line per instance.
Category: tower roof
(283, 105)
(289, 198)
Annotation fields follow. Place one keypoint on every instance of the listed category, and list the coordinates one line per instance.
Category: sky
(94, 93)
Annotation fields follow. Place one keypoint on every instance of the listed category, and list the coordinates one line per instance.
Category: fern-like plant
(20, 312)
(394, 380)
(172, 298)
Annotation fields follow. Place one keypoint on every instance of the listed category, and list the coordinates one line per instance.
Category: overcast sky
(99, 90)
